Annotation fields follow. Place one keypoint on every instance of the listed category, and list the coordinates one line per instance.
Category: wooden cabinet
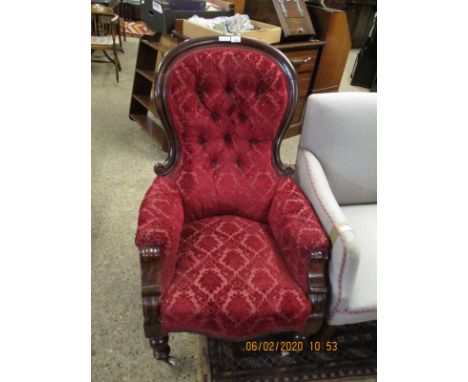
(304, 55)
(291, 16)
(360, 18)
(332, 27)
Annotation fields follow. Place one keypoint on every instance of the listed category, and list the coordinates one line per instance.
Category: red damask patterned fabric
(160, 224)
(226, 106)
(231, 281)
(296, 229)
(235, 235)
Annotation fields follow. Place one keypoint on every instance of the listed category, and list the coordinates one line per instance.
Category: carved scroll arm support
(150, 290)
(317, 291)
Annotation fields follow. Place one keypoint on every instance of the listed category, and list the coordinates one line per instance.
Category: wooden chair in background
(104, 29)
(114, 6)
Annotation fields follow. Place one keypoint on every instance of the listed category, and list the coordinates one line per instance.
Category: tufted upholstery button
(242, 117)
(227, 138)
(239, 162)
(201, 140)
(229, 89)
(261, 88)
(214, 162)
(253, 142)
(215, 116)
(198, 89)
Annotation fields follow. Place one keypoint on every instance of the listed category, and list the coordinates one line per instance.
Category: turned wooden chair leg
(123, 31)
(119, 35)
(107, 56)
(326, 332)
(117, 60)
(161, 348)
(116, 63)
(151, 303)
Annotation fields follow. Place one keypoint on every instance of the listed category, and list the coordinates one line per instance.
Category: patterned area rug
(355, 357)
(136, 28)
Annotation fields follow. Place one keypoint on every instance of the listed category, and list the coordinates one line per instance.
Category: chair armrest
(344, 257)
(297, 231)
(159, 226)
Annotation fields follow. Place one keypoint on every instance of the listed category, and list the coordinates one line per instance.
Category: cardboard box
(270, 34)
(159, 17)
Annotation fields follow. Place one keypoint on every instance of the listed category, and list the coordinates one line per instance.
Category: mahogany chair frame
(150, 258)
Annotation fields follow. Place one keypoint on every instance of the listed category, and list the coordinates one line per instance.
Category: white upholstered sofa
(337, 169)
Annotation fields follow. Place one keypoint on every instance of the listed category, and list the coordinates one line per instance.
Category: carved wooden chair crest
(229, 246)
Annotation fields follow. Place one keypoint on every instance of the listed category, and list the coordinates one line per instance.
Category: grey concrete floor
(123, 156)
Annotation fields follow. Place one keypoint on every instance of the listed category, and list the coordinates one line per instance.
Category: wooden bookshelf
(142, 106)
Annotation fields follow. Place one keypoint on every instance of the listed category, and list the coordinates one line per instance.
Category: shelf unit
(142, 106)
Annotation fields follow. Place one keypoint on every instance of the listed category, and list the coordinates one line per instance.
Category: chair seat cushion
(231, 282)
(101, 40)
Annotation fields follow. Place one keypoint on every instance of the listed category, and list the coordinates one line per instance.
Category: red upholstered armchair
(229, 245)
